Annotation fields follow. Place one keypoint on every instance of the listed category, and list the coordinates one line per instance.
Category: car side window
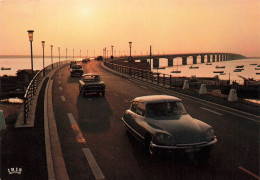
(140, 109)
(134, 107)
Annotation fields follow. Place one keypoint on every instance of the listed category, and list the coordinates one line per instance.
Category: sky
(169, 26)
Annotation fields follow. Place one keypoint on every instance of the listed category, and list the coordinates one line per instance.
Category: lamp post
(80, 54)
(73, 54)
(43, 43)
(30, 33)
(66, 53)
(112, 57)
(59, 54)
(51, 57)
(130, 46)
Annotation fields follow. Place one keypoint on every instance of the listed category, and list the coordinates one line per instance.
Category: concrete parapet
(203, 89)
(232, 95)
(186, 84)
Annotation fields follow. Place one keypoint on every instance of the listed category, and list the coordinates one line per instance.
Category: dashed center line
(78, 135)
(211, 111)
(63, 98)
(143, 87)
(93, 164)
(60, 88)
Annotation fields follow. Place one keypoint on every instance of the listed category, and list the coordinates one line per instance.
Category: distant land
(35, 56)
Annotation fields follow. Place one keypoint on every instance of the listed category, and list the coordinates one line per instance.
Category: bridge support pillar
(202, 58)
(170, 62)
(155, 62)
(208, 58)
(194, 59)
(213, 58)
(221, 57)
(217, 57)
(184, 60)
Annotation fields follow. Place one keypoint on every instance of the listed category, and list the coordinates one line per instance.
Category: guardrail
(32, 87)
(164, 79)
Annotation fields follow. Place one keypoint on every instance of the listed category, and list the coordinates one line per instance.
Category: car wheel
(103, 93)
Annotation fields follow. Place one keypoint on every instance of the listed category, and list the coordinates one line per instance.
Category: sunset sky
(170, 26)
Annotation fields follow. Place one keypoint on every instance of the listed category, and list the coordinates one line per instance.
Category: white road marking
(63, 98)
(248, 172)
(211, 111)
(93, 164)
(60, 73)
(143, 87)
(60, 88)
(78, 135)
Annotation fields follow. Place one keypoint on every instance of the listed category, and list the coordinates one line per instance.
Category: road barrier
(32, 87)
(165, 79)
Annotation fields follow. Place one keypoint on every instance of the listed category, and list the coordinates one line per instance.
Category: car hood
(183, 128)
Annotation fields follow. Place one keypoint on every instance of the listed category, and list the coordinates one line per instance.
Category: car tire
(103, 93)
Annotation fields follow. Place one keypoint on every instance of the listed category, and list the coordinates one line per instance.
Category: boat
(208, 63)
(218, 71)
(253, 64)
(222, 73)
(241, 66)
(3, 68)
(257, 68)
(237, 70)
(220, 67)
(194, 67)
(175, 71)
(258, 65)
(257, 73)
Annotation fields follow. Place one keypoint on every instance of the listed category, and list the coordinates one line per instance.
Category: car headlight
(209, 135)
(163, 138)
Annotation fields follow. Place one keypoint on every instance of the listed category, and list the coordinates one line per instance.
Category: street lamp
(80, 54)
(73, 54)
(130, 45)
(51, 57)
(112, 52)
(66, 53)
(43, 43)
(30, 33)
(59, 54)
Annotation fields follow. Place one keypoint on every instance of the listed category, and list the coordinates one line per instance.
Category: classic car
(91, 83)
(73, 63)
(163, 125)
(76, 70)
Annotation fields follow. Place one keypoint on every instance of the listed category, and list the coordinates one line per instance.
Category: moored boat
(194, 67)
(238, 70)
(220, 67)
(257, 68)
(218, 71)
(241, 66)
(208, 63)
(3, 68)
(175, 71)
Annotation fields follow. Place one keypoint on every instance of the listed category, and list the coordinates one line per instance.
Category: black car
(162, 124)
(91, 83)
(76, 70)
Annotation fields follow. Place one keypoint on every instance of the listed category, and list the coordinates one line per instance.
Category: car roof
(156, 99)
(90, 74)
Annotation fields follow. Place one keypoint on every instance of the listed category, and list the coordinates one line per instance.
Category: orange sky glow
(170, 26)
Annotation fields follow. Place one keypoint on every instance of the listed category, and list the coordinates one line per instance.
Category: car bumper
(186, 147)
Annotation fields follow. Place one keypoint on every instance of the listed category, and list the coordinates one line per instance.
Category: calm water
(207, 70)
(23, 63)
(203, 71)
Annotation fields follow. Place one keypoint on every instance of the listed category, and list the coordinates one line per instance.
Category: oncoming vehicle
(91, 83)
(162, 124)
(73, 63)
(76, 70)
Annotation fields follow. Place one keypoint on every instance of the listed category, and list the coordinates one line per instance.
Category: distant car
(91, 83)
(73, 63)
(162, 124)
(76, 70)
(100, 58)
(85, 60)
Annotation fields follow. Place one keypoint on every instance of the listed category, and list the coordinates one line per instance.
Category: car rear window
(92, 78)
(164, 109)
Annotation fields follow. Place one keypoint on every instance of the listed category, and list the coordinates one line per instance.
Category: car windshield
(76, 67)
(91, 78)
(164, 109)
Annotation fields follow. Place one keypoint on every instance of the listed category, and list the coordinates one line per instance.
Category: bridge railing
(32, 87)
(164, 79)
